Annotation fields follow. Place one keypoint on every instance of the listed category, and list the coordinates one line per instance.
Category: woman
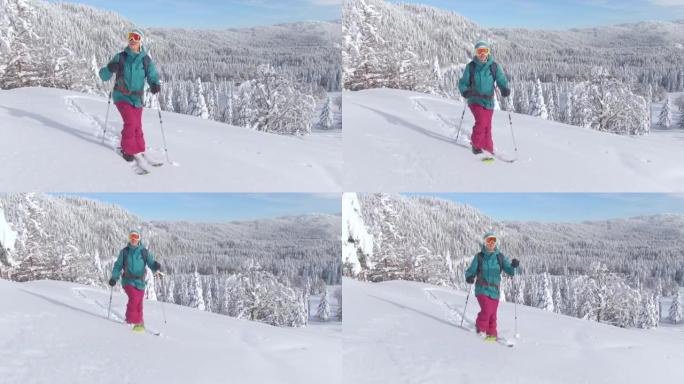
(132, 261)
(477, 85)
(486, 267)
(131, 67)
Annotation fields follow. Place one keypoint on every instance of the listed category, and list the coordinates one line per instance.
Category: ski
(505, 342)
(138, 167)
(505, 160)
(490, 156)
(151, 162)
(139, 170)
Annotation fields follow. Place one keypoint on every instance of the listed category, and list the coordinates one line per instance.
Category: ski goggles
(134, 36)
(482, 51)
(490, 239)
(134, 236)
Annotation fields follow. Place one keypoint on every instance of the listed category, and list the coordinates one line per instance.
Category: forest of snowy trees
(601, 78)
(610, 271)
(219, 75)
(261, 270)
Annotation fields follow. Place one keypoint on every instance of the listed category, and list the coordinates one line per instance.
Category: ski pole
(465, 307)
(109, 104)
(515, 145)
(161, 126)
(515, 306)
(163, 289)
(109, 309)
(461, 123)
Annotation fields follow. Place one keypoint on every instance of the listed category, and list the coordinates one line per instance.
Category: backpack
(493, 68)
(126, 273)
(120, 81)
(480, 258)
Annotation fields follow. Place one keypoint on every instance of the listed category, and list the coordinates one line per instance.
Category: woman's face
(490, 244)
(482, 54)
(134, 45)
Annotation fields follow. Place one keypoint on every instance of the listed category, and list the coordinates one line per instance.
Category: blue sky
(559, 14)
(219, 14)
(566, 207)
(218, 207)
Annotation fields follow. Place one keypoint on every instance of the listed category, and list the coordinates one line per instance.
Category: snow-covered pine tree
(273, 103)
(675, 313)
(196, 292)
(323, 312)
(665, 118)
(198, 105)
(151, 287)
(538, 106)
(183, 103)
(326, 119)
(169, 99)
(306, 292)
(211, 101)
(546, 294)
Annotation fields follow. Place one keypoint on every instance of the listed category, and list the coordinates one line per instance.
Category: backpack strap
(471, 71)
(480, 278)
(126, 273)
(146, 64)
(120, 82)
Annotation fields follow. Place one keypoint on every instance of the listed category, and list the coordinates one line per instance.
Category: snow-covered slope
(405, 141)
(58, 332)
(405, 332)
(51, 141)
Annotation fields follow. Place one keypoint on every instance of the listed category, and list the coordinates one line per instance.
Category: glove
(505, 92)
(156, 266)
(155, 88)
(515, 263)
(470, 279)
(112, 282)
(113, 67)
(467, 93)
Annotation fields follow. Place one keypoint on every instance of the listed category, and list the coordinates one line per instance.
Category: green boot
(490, 338)
(138, 328)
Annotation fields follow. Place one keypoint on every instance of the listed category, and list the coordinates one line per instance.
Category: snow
(48, 327)
(354, 228)
(405, 141)
(407, 332)
(52, 142)
(7, 235)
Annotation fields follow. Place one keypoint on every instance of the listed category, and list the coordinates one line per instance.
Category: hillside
(50, 326)
(52, 141)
